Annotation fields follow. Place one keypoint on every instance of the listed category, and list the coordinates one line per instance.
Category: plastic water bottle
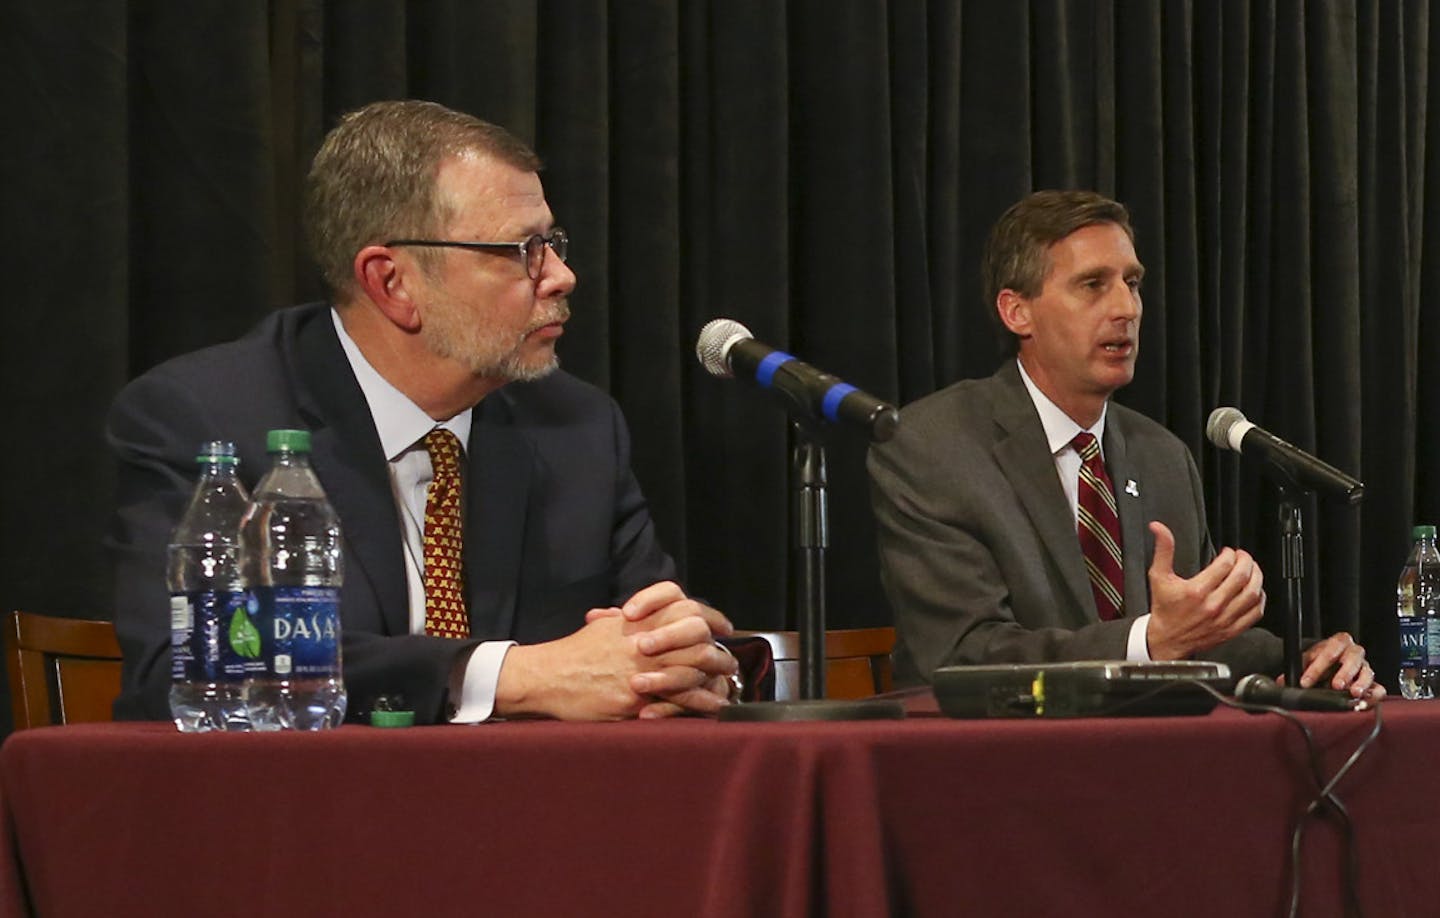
(290, 553)
(210, 630)
(1417, 605)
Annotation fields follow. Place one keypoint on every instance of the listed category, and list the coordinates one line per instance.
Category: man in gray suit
(983, 498)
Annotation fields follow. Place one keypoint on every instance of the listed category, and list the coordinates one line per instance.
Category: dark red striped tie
(1099, 529)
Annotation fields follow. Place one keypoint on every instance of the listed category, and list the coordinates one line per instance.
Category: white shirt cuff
(1137, 650)
(482, 675)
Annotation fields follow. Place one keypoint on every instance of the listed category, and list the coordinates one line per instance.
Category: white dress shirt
(1060, 429)
(402, 426)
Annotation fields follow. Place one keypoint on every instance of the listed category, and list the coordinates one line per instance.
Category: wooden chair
(62, 670)
(857, 662)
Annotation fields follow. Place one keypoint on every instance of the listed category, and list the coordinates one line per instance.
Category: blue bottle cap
(221, 451)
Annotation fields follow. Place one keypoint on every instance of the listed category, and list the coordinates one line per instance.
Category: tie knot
(443, 447)
(1086, 445)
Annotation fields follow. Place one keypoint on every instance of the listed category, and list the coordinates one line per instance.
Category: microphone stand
(1292, 569)
(809, 540)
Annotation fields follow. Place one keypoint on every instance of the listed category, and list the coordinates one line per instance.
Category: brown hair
(374, 178)
(1017, 251)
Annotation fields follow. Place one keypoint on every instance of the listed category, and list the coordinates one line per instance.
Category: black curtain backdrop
(822, 171)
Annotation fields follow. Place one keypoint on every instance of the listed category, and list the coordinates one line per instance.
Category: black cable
(1352, 869)
(1325, 799)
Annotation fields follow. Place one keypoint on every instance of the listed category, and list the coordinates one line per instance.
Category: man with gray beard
(448, 291)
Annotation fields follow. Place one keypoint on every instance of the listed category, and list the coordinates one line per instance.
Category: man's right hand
(654, 658)
(1222, 601)
(582, 676)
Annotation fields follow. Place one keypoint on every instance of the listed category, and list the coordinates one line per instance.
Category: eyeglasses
(532, 250)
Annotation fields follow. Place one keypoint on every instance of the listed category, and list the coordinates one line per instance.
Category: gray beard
(510, 369)
(478, 353)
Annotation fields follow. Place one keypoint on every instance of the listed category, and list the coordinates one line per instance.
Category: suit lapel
(500, 464)
(1134, 515)
(1024, 456)
(346, 453)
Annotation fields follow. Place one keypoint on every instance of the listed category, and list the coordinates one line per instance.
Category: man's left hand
(1342, 661)
(691, 673)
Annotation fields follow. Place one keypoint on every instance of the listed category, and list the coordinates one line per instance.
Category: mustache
(560, 312)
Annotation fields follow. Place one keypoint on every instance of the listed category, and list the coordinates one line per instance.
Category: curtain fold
(66, 238)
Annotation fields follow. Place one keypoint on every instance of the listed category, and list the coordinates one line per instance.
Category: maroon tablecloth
(1156, 816)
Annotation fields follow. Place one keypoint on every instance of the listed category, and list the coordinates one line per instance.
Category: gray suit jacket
(978, 550)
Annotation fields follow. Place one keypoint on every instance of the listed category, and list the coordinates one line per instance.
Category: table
(929, 816)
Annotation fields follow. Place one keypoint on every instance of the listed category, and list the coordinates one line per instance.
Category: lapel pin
(1132, 488)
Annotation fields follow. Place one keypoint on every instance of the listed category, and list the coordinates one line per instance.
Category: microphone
(1228, 429)
(1258, 689)
(726, 348)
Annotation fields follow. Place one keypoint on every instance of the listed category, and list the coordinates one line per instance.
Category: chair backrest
(857, 662)
(62, 670)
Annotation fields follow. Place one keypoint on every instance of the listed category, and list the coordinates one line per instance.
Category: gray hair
(374, 179)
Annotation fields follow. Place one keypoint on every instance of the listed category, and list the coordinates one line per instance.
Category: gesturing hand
(1191, 615)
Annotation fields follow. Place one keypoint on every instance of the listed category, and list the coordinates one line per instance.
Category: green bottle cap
(392, 718)
(1422, 532)
(291, 441)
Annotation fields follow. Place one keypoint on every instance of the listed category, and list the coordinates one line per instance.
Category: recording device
(726, 348)
(1089, 688)
(1228, 429)
(1258, 689)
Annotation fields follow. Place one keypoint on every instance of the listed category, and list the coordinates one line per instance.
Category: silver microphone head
(1222, 424)
(713, 345)
(1255, 688)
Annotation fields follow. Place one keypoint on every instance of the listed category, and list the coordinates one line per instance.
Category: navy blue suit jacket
(555, 521)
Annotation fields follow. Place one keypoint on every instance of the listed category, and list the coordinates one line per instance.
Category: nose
(556, 279)
(1126, 305)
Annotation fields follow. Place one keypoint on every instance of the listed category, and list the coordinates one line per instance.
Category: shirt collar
(400, 422)
(1060, 428)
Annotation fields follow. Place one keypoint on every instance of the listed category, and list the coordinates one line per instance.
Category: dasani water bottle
(1417, 605)
(290, 553)
(211, 636)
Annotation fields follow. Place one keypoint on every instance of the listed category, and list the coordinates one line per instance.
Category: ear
(383, 278)
(1014, 312)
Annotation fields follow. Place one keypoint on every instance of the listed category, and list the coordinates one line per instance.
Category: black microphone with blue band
(727, 348)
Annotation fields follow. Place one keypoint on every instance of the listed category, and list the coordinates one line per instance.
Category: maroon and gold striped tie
(445, 614)
(1099, 529)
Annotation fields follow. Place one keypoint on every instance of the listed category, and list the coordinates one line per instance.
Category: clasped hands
(655, 656)
(1226, 598)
